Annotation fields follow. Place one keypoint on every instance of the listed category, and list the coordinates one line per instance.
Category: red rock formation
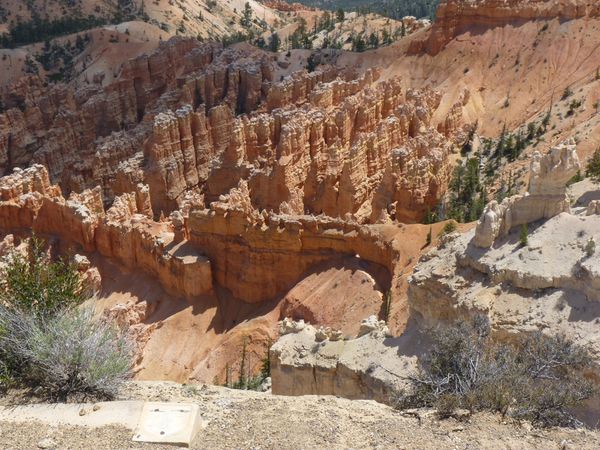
(339, 147)
(256, 182)
(29, 203)
(281, 5)
(260, 256)
(255, 256)
(454, 17)
(83, 134)
(194, 119)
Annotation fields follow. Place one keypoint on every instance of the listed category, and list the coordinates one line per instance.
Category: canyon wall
(192, 120)
(255, 256)
(454, 17)
(83, 133)
(352, 148)
(199, 169)
(29, 203)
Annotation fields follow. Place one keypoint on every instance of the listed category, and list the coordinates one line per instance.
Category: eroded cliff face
(550, 284)
(454, 17)
(334, 146)
(83, 134)
(237, 192)
(193, 120)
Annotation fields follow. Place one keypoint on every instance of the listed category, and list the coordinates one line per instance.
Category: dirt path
(250, 420)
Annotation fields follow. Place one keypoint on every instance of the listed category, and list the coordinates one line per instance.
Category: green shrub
(37, 285)
(575, 178)
(524, 235)
(590, 247)
(450, 227)
(47, 340)
(246, 381)
(593, 167)
(538, 378)
(70, 355)
(566, 93)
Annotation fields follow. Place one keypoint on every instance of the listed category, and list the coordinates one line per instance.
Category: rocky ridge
(309, 360)
(454, 17)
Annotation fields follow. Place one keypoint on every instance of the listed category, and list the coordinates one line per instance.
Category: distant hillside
(396, 9)
(31, 21)
(89, 40)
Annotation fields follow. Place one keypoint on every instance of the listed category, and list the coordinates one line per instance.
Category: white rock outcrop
(546, 198)
(310, 361)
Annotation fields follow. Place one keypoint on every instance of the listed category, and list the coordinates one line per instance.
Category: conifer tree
(593, 167)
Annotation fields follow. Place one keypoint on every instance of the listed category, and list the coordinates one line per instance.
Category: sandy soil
(245, 420)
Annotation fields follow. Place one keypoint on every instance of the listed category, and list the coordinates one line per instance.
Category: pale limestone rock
(371, 366)
(550, 173)
(546, 197)
(288, 326)
(81, 262)
(372, 325)
(593, 208)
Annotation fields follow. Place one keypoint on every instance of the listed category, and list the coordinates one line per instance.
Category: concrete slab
(101, 414)
(168, 423)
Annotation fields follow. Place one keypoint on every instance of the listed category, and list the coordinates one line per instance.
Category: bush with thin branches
(37, 285)
(70, 355)
(50, 342)
(538, 378)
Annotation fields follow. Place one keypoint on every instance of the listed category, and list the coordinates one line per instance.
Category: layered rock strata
(82, 134)
(30, 203)
(356, 147)
(546, 198)
(454, 17)
(255, 256)
(192, 120)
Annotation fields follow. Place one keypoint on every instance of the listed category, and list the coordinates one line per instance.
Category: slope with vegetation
(49, 342)
(85, 40)
(395, 9)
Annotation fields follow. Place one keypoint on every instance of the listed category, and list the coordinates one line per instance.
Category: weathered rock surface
(454, 17)
(235, 191)
(194, 119)
(551, 284)
(83, 135)
(30, 203)
(306, 360)
(546, 197)
(339, 147)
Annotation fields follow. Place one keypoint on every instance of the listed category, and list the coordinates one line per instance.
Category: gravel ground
(249, 420)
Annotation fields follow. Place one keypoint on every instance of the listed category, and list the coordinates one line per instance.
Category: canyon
(224, 197)
(230, 183)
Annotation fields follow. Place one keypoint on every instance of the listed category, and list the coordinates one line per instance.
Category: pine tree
(274, 43)
(246, 20)
(311, 63)
(593, 167)
(500, 148)
(523, 234)
(374, 40)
